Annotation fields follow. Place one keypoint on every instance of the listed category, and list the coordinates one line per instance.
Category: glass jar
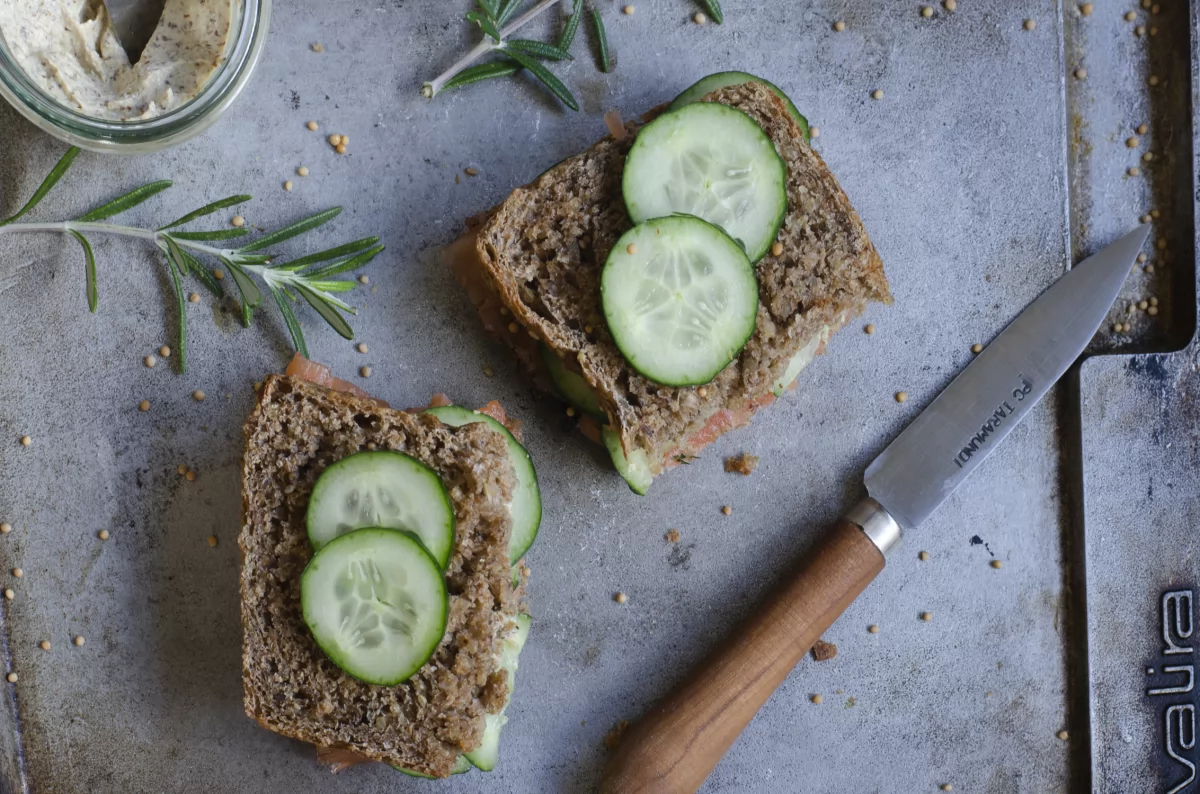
(247, 38)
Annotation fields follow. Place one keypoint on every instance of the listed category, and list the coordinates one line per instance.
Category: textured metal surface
(982, 405)
(960, 174)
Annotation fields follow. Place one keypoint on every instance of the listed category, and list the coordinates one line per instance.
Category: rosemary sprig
(310, 277)
(714, 10)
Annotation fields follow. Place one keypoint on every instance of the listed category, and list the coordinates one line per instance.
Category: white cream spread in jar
(68, 48)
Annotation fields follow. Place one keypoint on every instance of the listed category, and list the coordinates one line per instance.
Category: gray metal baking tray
(985, 170)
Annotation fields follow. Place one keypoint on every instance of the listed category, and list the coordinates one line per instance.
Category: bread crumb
(613, 737)
(672, 536)
(824, 651)
(741, 464)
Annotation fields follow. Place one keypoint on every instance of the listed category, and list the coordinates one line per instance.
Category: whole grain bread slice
(296, 430)
(534, 276)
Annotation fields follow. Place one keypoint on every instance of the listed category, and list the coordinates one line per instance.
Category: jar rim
(138, 135)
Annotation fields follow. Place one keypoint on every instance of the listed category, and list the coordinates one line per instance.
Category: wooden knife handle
(675, 747)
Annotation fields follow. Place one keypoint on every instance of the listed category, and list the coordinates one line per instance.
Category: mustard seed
(927, 12)
(1134, 171)
(1155, 213)
(1086, 9)
(1148, 156)
(335, 140)
(17, 572)
(570, 411)
(702, 392)
(839, 26)
(1142, 129)
(620, 598)
(103, 534)
(901, 396)
(1155, 9)
(1139, 31)
(1152, 311)
(5, 528)
(144, 406)
(44, 645)
(302, 171)
(1132, 143)
(9, 594)
(238, 221)
(11, 678)
(26, 441)
(872, 629)
(1145, 218)
(1030, 24)
(776, 248)
(365, 372)
(817, 700)
(219, 275)
(194, 298)
(513, 328)
(923, 556)
(926, 616)
(997, 564)
(340, 148)
(212, 541)
(877, 93)
(78, 640)
(628, 11)
(361, 347)
(364, 280)
(182, 469)
(313, 126)
(318, 47)
(488, 372)
(631, 249)
(1081, 73)
(1063, 735)
(976, 348)
(1153, 301)
(1162, 243)
(947, 787)
(1130, 16)
(814, 132)
(727, 510)
(1143, 305)
(951, 5)
(190, 476)
(1153, 79)
(699, 18)
(869, 328)
(150, 361)
(288, 185)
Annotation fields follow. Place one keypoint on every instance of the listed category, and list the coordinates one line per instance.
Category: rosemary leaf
(333, 286)
(175, 254)
(507, 9)
(333, 253)
(714, 10)
(601, 41)
(251, 294)
(549, 80)
(207, 209)
(289, 319)
(219, 234)
(288, 232)
(181, 300)
(47, 185)
(490, 7)
(568, 35)
(538, 48)
(349, 264)
(93, 294)
(483, 71)
(127, 201)
(485, 22)
(327, 312)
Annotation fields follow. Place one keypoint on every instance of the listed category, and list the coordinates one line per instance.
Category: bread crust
(296, 430)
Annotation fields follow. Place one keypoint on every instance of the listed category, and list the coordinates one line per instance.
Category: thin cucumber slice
(487, 753)
(572, 386)
(680, 298)
(376, 603)
(382, 489)
(460, 766)
(526, 505)
(802, 359)
(714, 162)
(634, 468)
(714, 82)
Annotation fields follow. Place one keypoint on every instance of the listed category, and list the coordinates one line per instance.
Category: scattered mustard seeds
(727, 510)
(237, 221)
(817, 700)
(631, 249)
(78, 640)
(335, 140)
(144, 406)
(776, 248)
(877, 93)
(620, 598)
(839, 26)
(44, 645)
(1030, 24)
(976, 348)
(901, 396)
(365, 372)
(699, 18)
(5, 528)
(1063, 735)
(869, 328)
(103, 534)
(997, 564)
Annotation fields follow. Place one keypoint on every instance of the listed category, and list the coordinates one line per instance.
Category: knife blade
(134, 22)
(675, 747)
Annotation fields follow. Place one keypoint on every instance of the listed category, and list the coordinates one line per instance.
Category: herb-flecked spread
(68, 48)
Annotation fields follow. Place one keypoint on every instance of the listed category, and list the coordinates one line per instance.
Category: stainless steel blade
(134, 23)
(972, 415)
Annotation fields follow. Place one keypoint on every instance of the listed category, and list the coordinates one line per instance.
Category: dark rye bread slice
(542, 251)
(297, 430)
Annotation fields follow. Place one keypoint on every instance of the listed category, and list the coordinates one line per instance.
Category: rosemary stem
(430, 89)
(108, 228)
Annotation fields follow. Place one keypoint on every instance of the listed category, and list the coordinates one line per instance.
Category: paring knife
(134, 23)
(675, 747)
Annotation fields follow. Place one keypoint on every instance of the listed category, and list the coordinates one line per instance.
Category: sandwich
(382, 573)
(677, 276)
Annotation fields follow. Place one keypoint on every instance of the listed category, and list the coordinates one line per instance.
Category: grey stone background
(961, 174)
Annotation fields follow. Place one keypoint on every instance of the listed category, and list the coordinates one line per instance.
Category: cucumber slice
(460, 766)
(634, 468)
(715, 82)
(376, 603)
(680, 298)
(382, 489)
(713, 162)
(526, 505)
(487, 753)
(571, 385)
(802, 359)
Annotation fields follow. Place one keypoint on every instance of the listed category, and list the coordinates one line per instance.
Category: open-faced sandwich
(383, 573)
(677, 276)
